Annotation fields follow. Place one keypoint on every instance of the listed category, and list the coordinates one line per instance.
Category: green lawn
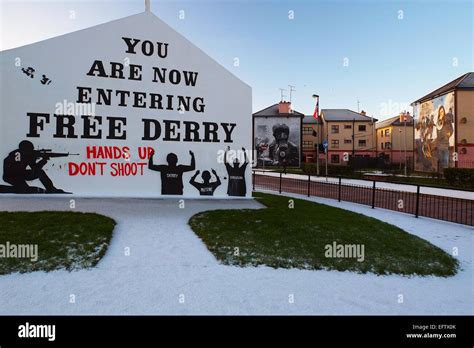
(296, 238)
(65, 240)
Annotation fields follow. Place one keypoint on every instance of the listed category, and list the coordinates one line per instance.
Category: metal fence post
(417, 200)
(373, 196)
(280, 182)
(340, 186)
(253, 180)
(309, 184)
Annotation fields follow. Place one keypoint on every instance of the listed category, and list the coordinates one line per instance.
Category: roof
(335, 115)
(465, 81)
(273, 111)
(393, 121)
(309, 119)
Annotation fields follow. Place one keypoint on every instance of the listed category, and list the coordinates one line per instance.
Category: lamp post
(405, 121)
(318, 136)
(400, 159)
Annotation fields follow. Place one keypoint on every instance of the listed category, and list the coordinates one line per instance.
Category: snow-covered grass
(60, 240)
(302, 234)
(170, 271)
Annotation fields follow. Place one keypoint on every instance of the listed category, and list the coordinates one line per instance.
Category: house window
(308, 145)
(307, 131)
(334, 129)
(334, 158)
(347, 141)
(335, 144)
(362, 142)
(381, 145)
(387, 132)
(388, 145)
(347, 126)
(362, 128)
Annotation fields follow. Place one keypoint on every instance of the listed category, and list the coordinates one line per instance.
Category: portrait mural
(435, 134)
(277, 140)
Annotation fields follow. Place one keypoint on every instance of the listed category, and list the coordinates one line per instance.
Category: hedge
(310, 168)
(463, 177)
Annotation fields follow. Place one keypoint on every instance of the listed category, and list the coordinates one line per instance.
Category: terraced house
(349, 134)
(312, 137)
(395, 139)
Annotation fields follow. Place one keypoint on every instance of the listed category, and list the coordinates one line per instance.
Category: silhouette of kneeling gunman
(15, 170)
(206, 188)
(172, 174)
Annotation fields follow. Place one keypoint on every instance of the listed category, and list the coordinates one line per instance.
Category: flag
(316, 110)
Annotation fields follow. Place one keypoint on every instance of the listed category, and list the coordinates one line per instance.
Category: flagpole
(318, 136)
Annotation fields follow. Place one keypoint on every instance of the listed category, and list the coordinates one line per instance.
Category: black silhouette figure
(236, 185)
(22, 165)
(206, 188)
(172, 174)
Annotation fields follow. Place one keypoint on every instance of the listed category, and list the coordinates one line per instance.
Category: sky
(377, 56)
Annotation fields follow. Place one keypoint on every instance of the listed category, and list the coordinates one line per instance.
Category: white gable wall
(67, 59)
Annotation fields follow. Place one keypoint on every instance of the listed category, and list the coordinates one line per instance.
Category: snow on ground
(168, 260)
(380, 184)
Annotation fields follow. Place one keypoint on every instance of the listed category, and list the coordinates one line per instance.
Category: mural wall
(127, 108)
(435, 133)
(277, 140)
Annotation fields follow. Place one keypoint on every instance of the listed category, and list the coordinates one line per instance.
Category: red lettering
(73, 169)
(127, 169)
(91, 151)
(145, 152)
(126, 152)
(86, 168)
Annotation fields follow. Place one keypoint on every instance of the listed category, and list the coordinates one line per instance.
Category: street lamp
(405, 121)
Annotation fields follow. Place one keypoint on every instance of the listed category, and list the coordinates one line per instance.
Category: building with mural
(141, 112)
(444, 126)
(277, 136)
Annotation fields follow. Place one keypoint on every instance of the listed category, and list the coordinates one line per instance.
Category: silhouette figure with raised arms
(236, 185)
(206, 188)
(172, 173)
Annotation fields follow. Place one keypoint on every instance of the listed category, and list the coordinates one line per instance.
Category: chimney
(405, 117)
(363, 112)
(284, 107)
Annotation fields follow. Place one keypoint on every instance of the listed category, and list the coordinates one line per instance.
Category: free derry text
(114, 126)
